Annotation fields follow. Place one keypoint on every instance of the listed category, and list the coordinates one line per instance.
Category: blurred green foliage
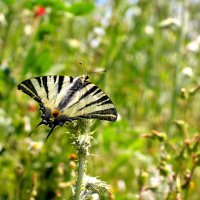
(151, 50)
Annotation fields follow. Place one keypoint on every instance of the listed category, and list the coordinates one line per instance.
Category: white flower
(5, 122)
(169, 22)
(95, 37)
(95, 196)
(26, 13)
(34, 147)
(149, 30)
(147, 195)
(99, 31)
(3, 19)
(155, 179)
(94, 43)
(121, 185)
(28, 29)
(48, 10)
(132, 12)
(105, 20)
(187, 71)
(74, 43)
(194, 46)
(137, 10)
(27, 124)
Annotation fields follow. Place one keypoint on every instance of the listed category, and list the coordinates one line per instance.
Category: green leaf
(38, 61)
(80, 8)
(9, 1)
(54, 4)
(44, 30)
(29, 60)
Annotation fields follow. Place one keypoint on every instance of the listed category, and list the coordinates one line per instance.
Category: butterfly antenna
(84, 71)
(36, 128)
(98, 72)
(49, 133)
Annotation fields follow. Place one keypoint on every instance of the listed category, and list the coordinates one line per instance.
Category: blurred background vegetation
(151, 50)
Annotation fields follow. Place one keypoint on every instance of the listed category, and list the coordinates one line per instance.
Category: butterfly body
(64, 98)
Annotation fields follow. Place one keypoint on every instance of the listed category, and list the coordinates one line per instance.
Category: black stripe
(99, 90)
(71, 79)
(39, 81)
(60, 83)
(88, 92)
(103, 114)
(108, 101)
(77, 86)
(101, 117)
(44, 80)
(106, 111)
(103, 98)
(84, 95)
(31, 94)
(55, 78)
(30, 85)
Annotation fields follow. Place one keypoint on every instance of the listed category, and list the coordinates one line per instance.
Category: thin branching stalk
(179, 63)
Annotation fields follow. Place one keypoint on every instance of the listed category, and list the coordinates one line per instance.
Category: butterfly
(64, 99)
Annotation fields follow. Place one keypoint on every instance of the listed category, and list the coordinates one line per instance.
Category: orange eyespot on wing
(55, 113)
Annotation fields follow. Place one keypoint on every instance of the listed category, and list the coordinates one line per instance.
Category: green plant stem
(179, 63)
(81, 171)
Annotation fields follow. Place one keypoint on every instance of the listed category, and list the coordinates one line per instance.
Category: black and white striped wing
(46, 90)
(74, 97)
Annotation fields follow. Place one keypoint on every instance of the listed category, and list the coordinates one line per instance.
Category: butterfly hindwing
(91, 102)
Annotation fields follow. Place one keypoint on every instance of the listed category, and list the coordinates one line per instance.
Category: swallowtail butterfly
(64, 99)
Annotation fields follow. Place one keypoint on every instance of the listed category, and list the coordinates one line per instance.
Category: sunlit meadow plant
(172, 178)
(86, 187)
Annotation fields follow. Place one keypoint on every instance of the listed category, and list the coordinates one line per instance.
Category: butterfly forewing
(74, 97)
(46, 88)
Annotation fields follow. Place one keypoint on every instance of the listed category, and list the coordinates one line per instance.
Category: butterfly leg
(42, 122)
(49, 133)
